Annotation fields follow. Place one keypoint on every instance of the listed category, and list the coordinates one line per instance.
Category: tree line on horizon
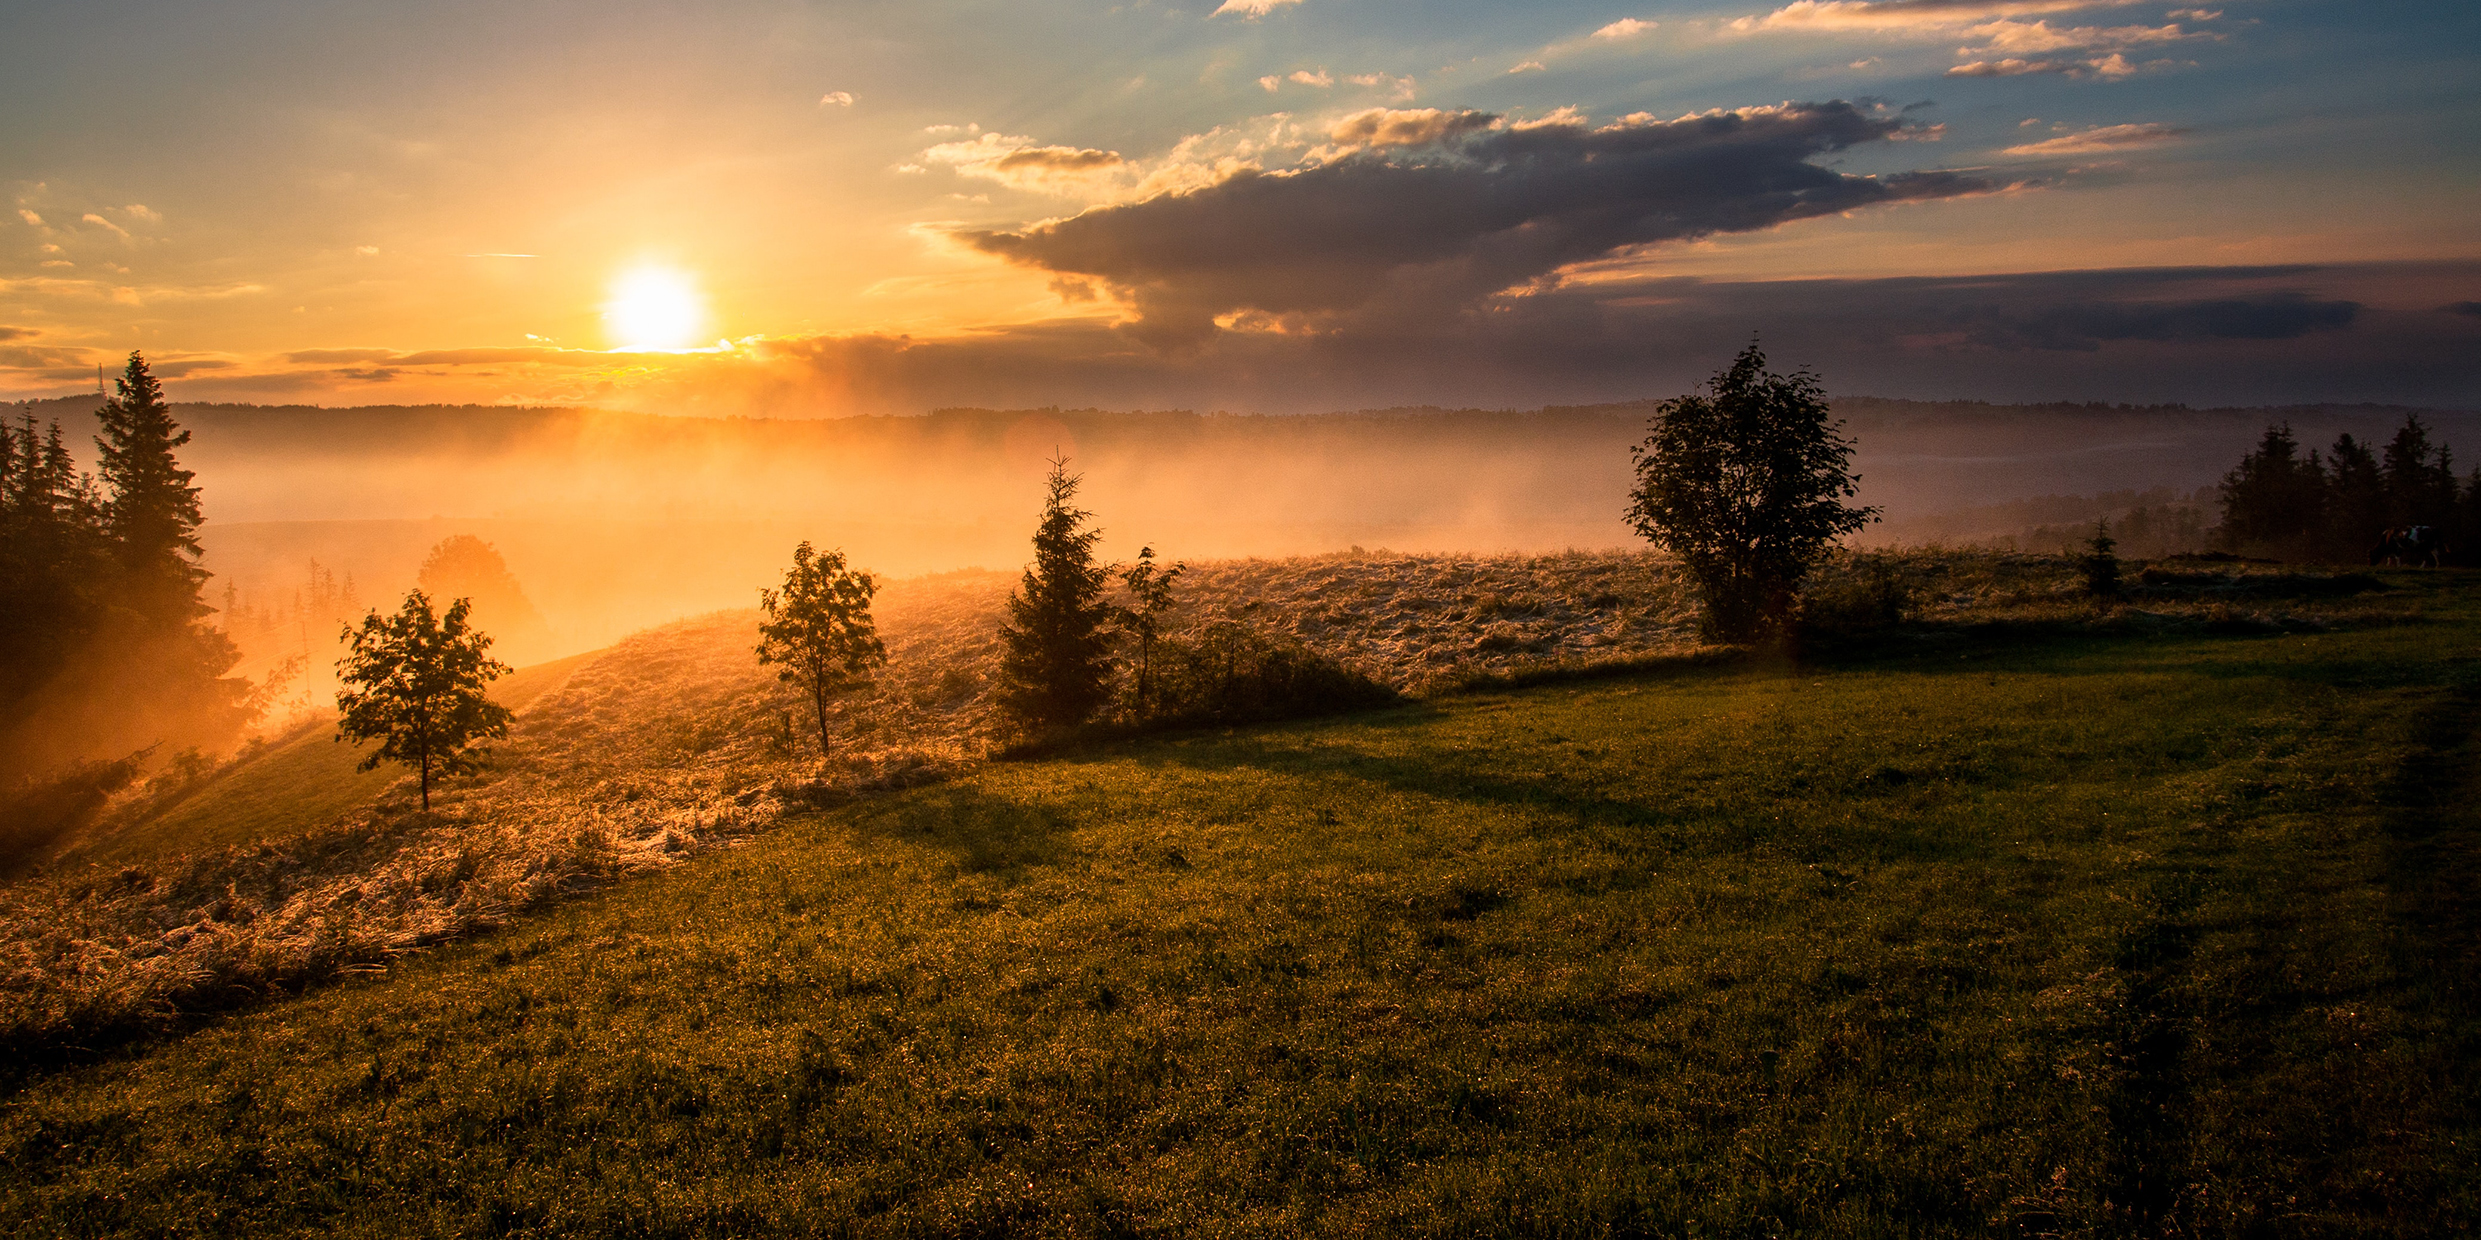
(2346, 504)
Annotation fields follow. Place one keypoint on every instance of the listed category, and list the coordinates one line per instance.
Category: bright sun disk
(654, 309)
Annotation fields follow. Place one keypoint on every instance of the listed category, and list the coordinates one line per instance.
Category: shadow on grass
(981, 833)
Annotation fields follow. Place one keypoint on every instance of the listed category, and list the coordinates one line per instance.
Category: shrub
(1231, 673)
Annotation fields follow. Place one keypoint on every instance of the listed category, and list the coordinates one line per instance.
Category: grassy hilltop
(2017, 919)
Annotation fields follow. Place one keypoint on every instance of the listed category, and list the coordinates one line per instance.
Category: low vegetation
(677, 742)
(2025, 915)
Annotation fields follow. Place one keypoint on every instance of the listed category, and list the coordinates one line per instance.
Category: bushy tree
(463, 566)
(1055, 670)
(414, 682)
(819, 630)
(1746, 484)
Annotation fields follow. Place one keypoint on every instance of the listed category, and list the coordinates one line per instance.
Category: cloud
(2039, 36)
(836, 98)
(1019, 163)
(2194, 15)
(18, 333)
(2009, 68)
(1272, 83)
(141, 211)
(1307, 78)
(1624, 28)
(1407, 127)
(366, 250)
(1899, 16)
(2104, 138)
(1251, 8)
(1530, 66)
(30, 217)
(100, 222)
(1400, 87)
(1437, 209)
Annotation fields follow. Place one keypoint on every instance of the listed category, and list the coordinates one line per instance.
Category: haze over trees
(464, 566)
(414, 682)
(103, 648)
(1746, 485)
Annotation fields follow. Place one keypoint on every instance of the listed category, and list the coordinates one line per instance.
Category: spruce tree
(2274, 500)
(152, 514)
(1055, 671)
(2420, 479)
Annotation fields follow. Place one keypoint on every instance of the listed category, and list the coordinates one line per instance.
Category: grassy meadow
(2017, 918)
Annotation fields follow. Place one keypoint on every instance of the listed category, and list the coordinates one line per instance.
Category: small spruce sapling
(2100, 564)
(414, 682)
(819, 630)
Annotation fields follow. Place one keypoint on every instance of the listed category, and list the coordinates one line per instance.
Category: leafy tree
(1056, 669)
(1746, 485)
(414, 682)
(2274, 500)
(1150, 598)
(818, 627)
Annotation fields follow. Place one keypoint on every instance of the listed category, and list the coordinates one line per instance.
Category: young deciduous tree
(1746, 484)
(1150, 598)
(414, 682)
(1056, 669)
(818, 628)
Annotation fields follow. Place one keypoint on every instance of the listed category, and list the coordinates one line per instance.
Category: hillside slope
(2020, 930)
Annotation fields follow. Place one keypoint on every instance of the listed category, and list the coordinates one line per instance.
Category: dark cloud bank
(1429, 208)
(2202, 336)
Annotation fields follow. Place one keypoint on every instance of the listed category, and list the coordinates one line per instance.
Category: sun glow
(654, 309)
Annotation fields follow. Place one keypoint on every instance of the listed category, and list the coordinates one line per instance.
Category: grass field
(302, 781)
(2011, 929)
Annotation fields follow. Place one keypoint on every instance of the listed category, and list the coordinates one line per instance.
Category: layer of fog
(613, 522)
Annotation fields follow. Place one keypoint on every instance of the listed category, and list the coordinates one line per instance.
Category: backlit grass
(1978, 932)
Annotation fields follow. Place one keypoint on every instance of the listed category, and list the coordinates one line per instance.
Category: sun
(654, 309)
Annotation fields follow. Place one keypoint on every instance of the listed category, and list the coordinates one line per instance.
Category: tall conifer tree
(152, 514)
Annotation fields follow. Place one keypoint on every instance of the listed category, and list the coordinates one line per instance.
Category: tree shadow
(982, 833)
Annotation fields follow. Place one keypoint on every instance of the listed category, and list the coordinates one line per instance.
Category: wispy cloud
(1251, 8)
(1624, 28)
(1307, 78)
(1910, 15)
(100, 222)
(2102, 139)
(836, 98)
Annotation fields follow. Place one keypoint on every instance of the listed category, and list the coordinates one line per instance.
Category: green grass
(2086, 934)
(302, 781)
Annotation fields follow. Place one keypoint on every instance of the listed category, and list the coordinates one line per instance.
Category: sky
(762, 207)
